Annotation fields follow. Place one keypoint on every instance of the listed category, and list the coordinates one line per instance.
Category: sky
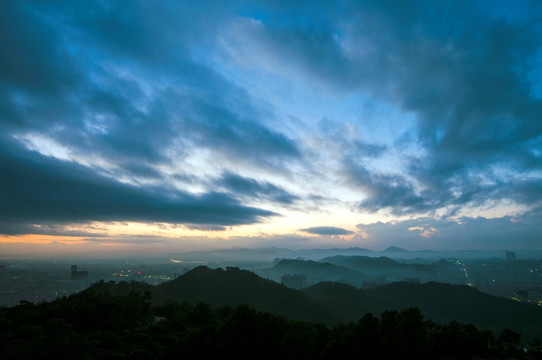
(148, 127)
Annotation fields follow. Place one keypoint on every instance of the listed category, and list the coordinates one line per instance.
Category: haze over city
(158, 127)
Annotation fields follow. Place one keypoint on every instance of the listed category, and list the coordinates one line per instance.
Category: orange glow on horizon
(42, 239)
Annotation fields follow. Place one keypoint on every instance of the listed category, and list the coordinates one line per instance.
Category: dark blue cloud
(216, 126)
(30, 51)
(468, 79)
(90, 48)
(393, 192)
(243, 186)
(37, 189)
(327, 230)
(119, 83)
(141, 88)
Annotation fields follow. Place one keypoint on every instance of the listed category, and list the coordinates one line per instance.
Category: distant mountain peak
(395, 249)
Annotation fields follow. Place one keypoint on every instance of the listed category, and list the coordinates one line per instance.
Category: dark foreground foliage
(98, 325)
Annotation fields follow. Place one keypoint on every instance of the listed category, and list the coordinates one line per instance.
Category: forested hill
(331, 303)
(233, 286)
(96, 324)
(437, 301)
(218, 312)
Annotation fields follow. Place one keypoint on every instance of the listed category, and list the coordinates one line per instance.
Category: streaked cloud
(327, 230)
(210, 117)
(39, 189)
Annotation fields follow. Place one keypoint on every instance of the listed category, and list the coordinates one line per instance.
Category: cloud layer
(211, 115)
(327, 230)
(43, 190)
(467, 79)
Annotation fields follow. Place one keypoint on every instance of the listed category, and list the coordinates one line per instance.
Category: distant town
(504, 274)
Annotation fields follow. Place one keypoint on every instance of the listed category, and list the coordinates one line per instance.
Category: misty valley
(314, 303)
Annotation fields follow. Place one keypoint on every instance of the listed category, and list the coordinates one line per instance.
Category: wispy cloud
(327, 230)
(209, 116)
(38, 189)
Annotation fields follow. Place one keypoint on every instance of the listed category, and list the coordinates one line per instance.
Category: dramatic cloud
(466, 76)
(254, 189)
(217, 118)
(68, 94)
(37, 189)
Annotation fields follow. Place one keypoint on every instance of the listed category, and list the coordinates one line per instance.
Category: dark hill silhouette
(394, 249)
(314, 271)
(331, 302)
(320, 253)
(219, 287)
(437, 301)
(95, 324)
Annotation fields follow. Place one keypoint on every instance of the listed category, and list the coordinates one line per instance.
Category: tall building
(76, 274)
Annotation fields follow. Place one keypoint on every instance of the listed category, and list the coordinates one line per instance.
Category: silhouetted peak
(395, 249)
(209, 275)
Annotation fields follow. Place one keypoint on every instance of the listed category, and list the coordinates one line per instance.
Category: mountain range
(315, 272)
(331, 302)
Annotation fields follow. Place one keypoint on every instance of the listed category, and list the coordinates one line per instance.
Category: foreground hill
(230, 287)
(234, 287)
(437, 301)
(95, 324)
(210, 313)
(331, 302)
